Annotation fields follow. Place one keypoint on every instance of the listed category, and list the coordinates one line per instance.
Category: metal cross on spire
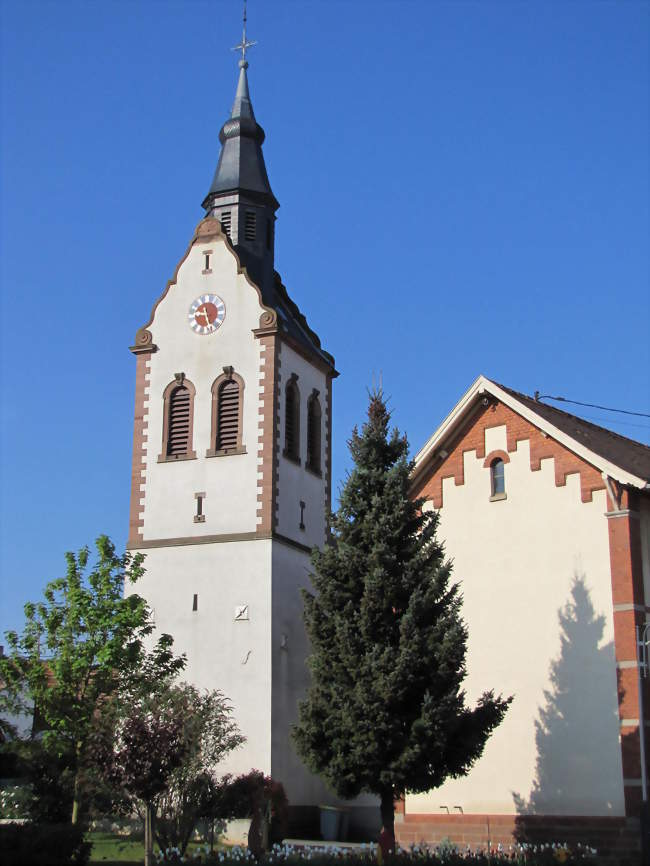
(244, 44)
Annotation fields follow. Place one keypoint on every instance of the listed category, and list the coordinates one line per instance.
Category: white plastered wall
(516, 560)
(225, 653)
(296, 484)
(290, 647)
(230, 483)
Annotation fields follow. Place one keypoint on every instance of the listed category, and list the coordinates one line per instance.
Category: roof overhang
(470, 401)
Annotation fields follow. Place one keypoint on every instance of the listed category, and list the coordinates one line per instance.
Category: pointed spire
(240, 195)
(241, 163)
(242, 106)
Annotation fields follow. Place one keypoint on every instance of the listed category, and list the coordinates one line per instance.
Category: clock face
(206, 314)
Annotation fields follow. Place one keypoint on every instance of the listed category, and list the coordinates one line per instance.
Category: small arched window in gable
(227, 415)
(314, 433)
(178, 420)
(292, 420)
(497, 477)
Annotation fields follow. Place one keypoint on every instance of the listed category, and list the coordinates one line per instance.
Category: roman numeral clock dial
(206, 314)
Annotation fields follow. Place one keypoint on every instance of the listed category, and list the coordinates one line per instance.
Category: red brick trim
(626, 565)
(495, 455)
(611, 836)
(139, 463)
(472, 438)
(268, 425)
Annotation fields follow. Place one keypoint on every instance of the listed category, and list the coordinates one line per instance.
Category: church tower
(231, 461)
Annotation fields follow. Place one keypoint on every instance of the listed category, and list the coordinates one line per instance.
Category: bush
(43, 844)
(16, 801)
(242, 796)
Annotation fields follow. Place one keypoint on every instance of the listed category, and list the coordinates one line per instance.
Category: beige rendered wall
(230, 483)
(226, 649)
(517, 560)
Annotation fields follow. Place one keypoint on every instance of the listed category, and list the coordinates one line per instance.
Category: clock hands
(204, 312)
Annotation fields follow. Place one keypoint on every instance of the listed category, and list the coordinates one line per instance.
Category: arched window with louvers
(227, 415)
(292, 420)
(178, 420)
(314, 433)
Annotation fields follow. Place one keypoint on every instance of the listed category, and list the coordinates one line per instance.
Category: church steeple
(240, 195)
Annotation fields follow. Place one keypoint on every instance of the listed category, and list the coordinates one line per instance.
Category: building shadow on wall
(578, 767)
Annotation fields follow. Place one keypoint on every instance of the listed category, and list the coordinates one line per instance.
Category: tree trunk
(148, 836)
(76, 797)
(387, 837)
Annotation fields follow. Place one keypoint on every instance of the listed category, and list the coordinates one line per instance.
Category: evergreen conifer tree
(386, 712)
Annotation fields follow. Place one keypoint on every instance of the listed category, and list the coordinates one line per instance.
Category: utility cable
(539, 397)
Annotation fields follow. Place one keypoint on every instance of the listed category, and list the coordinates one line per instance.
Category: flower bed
(417, 855)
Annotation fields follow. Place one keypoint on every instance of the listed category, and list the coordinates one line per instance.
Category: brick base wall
(617, 840)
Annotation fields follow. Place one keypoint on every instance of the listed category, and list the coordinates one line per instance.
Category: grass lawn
(109, 848)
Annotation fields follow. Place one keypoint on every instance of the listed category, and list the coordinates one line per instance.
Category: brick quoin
(136, 509)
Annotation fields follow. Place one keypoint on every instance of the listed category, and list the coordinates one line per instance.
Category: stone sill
(226, 452)
(174, 458)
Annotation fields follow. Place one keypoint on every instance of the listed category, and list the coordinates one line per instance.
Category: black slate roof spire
(241, 164)
(240, 195)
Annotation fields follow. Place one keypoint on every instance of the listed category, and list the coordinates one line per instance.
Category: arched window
(227, 415)
(178, 420)
(497, 477)
(292, 420)
(314, 433)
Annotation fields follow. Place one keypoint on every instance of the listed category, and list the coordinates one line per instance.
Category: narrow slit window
(199, 517)
(292, 420)
(269, 234)
(207, 262)
(225, 221)
(497, 477)
(314, 433)
(195, 602)
(302, 515)
(180, 404)
(250, 225)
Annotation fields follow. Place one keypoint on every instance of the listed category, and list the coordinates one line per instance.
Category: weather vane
(244, 43)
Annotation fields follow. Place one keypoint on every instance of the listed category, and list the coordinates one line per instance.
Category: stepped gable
(632, 456)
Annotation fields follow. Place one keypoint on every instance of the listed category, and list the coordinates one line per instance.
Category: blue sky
(463, 189)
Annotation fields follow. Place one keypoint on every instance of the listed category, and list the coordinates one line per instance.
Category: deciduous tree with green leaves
(386, 712)
(82, 644)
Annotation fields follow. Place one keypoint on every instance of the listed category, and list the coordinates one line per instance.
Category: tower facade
(231, 460)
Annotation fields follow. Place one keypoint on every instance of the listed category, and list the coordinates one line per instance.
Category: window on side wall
(292, 420)
(497, 479)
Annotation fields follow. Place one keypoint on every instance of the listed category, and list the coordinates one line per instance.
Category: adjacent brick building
(547, 519)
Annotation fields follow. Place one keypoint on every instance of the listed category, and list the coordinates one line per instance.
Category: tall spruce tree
(386, 712)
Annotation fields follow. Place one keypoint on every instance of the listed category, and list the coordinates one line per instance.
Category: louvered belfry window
(178, 438)
(313, 434)
(228, 415)
(292, 421)
(250, 225)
